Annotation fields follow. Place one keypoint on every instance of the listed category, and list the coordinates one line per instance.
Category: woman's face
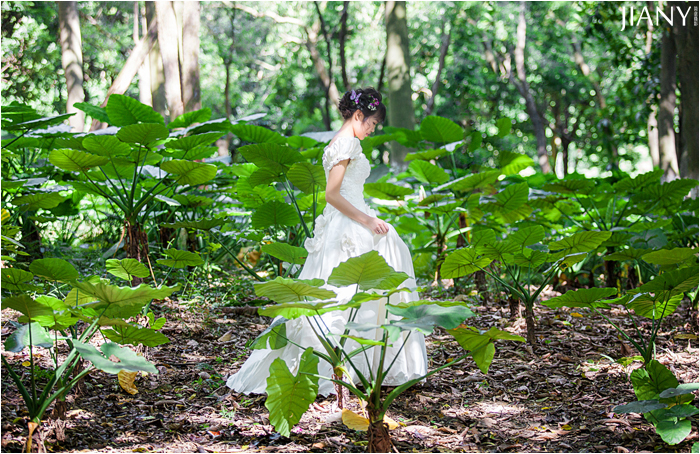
(363, 127)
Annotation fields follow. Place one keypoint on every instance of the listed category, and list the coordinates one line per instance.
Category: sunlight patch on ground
(501, 408)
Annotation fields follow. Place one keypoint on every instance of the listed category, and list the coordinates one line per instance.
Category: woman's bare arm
(335, 179)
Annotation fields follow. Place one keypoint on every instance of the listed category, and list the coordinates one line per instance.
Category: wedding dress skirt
(336, 239)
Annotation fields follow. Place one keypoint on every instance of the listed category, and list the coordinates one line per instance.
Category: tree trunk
(441, 65)
(320, 65)
(666, 153)
(481, 286)
(155, 62)
(144, 69)
(327, 87)
(398, 64)
(168, 33)
(524, 89)
(130, 69)
(686, 41)
(378, 433)
(136, 245)
(530, 323)
(72, 61)
(191, 93)
(514, 307)
(382, 72)
(341, 39)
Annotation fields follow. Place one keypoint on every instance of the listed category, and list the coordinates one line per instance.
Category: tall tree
(191, 93)
(155, 62)
(523, 87)
(72, 60)
(144, 70)
(168, 32)
(398, 77)
(686, 41)
(341, 41)
(666, 154)
(444, 46)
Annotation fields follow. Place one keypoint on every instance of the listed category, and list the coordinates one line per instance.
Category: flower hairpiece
(355, 97)
(374, 104)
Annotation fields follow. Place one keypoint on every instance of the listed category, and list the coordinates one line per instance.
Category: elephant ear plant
(663, 401)
(289, 394)
(50, 318)
(527, 264)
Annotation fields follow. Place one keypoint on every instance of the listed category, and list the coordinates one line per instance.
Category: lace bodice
(356, 173)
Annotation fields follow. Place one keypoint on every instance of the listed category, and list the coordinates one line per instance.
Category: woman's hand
(377, 226)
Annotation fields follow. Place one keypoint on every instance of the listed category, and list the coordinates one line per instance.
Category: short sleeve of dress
(340, 150)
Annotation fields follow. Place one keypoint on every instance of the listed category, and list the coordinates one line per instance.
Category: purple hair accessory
(355, 97)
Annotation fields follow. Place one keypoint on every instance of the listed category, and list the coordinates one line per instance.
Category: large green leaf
(307, 176)
(654, 308)
(264, 177)
(190, 142)
(289, 395)
(27, 306)
(586, 297)
(286, 290)
(579, 242)
(126, 268)
(640, 406)
(271, 156)
(426, 155)
(188, 172)
(427, 173)
(513, 196)
(670, 256)
(257, 134)
(368, 271)
(481, 343)
(54, 269)
(570, 186)
(135, 336)
(143, 134)
(527, 258)
(671, 283)
(504, 124)
(95, 112)
(670, 190)
(628, 184)
(652, 380)
(498, 250)
(14, 279)
(108, 146)
(673, 432)
(76, 161)
(193, 201)
(626, 254)
(128, 359)
(527, 236)
(302, 142)
(198, 224)
(286, 252)
(679, 411)
(274, 337)
(425, 317)
(44, 200)
(512, 163)
(21, 338)
(59, 319)
(34, 123)
(121, 300)
(124, 110)
(463, 262)
(298, 309)
(440, 130)
(387, 191)
(181, 259)
(189, 118)
(476, 181)
(274, 213)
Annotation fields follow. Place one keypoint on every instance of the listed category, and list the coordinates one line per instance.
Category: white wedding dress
(337, 238)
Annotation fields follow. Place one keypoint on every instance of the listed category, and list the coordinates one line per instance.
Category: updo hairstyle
(366, 100)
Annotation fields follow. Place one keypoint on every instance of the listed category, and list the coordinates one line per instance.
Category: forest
(163, 176)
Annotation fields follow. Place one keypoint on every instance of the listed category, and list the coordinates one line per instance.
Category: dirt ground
(555, 397)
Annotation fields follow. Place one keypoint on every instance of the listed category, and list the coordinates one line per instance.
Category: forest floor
(554, 397)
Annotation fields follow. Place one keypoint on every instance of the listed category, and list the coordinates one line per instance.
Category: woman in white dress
(347, 228)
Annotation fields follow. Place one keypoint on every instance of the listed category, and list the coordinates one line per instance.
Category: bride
(347, 228)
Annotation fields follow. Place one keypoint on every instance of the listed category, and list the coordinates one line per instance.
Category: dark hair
(362, 99)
